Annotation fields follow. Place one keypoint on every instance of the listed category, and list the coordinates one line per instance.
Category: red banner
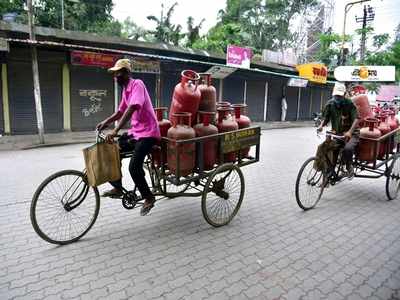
(84, 58)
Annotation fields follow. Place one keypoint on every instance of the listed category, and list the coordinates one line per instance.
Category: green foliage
(367, 30)
(380, 53)
(130, 30)
(9, 6)
(193, 33)
(219, 37)
(397, 33)
(14, 6)
(165, 31)
(329, 51)
(84, 15)
(380, 40)
(259, 24)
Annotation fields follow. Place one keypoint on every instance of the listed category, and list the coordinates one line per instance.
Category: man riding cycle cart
(350, 152)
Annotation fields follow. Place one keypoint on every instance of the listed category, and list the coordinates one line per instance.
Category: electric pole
(35, 71)
(368, 15)
(348, 6)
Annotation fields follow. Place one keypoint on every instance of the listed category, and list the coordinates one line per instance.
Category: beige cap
(121, 64)
(339, 89)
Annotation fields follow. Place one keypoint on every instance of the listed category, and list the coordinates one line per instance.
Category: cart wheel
(64, 207)
(393, 178)
(309, 185)
(223, 194)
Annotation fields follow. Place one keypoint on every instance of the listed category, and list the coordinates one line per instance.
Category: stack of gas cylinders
(375, 124)
(195, 112)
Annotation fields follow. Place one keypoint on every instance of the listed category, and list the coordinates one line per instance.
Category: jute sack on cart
(103, 163)
(325, 152)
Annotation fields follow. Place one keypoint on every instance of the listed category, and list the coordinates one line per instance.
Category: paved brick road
(346, 248)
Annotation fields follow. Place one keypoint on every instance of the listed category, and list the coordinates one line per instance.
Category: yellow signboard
(313, 72)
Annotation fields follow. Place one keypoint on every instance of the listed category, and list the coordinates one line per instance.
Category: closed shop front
(275, 88)
(168, 82)
(92, 96)
(21, 97)
(150, 82)
(305, 104)
(233, 89)
(317, 99)
(255, 99)
(327, 94)
(1, 104)
(292, 95)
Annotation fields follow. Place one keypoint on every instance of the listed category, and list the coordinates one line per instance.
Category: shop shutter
(22, 102)
(255, 99)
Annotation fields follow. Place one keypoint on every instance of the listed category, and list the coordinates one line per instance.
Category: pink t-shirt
(143, 121)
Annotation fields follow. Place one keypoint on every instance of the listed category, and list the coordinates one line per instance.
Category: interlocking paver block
(76, 291)
(254, 291)
(271, 248)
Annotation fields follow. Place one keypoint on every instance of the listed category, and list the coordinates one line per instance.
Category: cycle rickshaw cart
(310, 183)
(64, 207)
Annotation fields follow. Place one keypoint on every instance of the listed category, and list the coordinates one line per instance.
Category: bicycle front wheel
(64, 207)
(309, 185)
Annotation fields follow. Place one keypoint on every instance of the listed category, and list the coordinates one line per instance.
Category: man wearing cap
(342, 114)
(144, 132)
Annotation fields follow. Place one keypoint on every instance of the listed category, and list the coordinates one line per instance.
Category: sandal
(146, 209)
(113, 193)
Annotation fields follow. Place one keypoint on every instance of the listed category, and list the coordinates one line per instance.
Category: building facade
(76, 96)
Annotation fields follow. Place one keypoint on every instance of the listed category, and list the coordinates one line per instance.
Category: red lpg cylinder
(367, 149)
(225, 104)
(186, 97)
(209, 146)
(243, 122)
(208, 100)
(392, 121)
(164, 125)
(226, 124)
(363, 108)
(181, 130)
(384, 128)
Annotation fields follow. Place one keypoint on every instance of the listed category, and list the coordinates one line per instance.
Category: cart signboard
(240, 139)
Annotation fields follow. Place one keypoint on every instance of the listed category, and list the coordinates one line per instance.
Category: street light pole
(346, 10)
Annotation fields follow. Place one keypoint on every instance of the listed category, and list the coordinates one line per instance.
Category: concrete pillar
(266, 102)
(221, 87)
(6, 106)
(66, 97)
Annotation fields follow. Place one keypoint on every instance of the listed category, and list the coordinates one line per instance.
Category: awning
(133, 53)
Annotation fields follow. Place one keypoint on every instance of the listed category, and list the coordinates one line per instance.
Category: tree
(165, 31)
(193, 33)
(219, 37)
(84, 15)
(130, 30)
(14, 6)
(259, 24)
(397, 33)
(329, 49)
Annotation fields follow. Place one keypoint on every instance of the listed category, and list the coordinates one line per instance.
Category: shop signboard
(94, 59)
(313, 72)
(365, 73)
(238, 57)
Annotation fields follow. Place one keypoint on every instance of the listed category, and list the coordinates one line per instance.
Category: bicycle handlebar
(101, 136)
(331, 134)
